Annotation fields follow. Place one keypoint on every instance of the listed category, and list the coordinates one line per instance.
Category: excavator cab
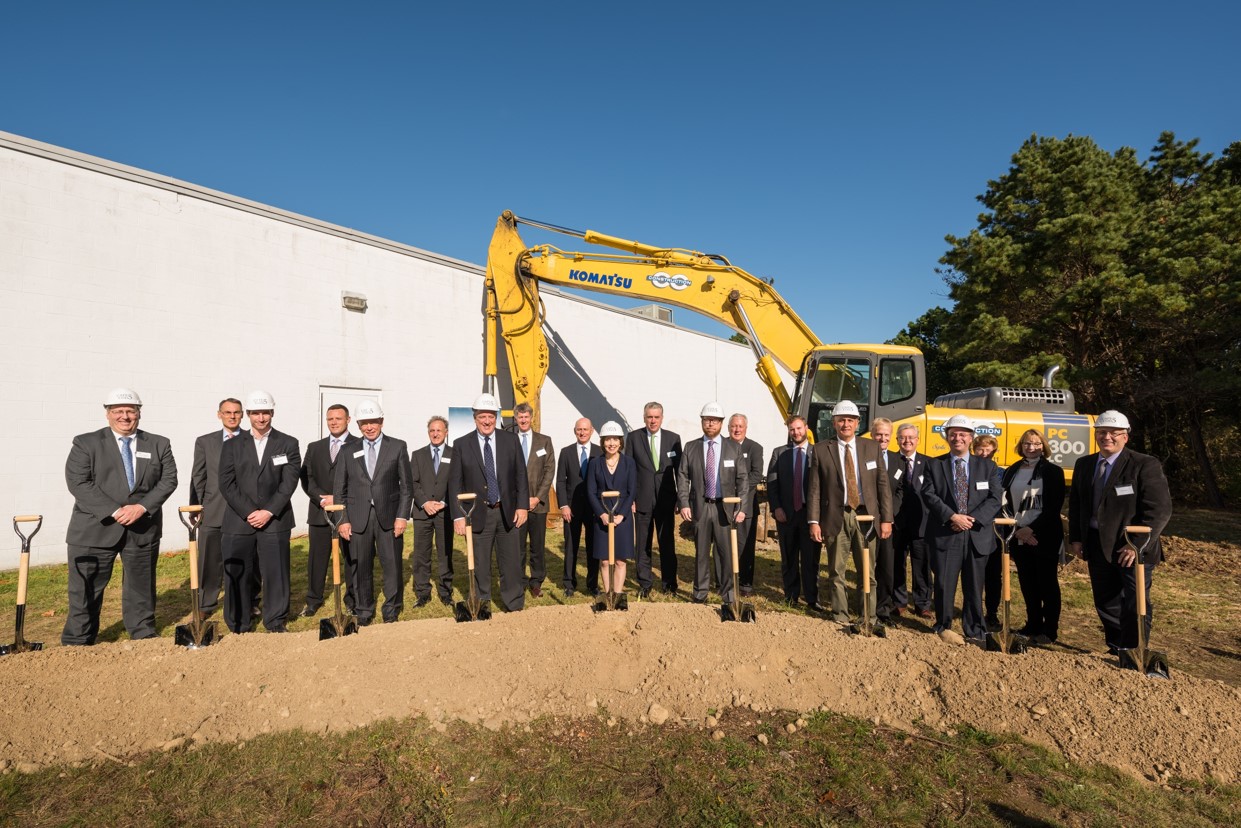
(883, 380)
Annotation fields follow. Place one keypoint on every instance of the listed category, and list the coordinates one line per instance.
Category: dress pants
(1038, 569)
(573, 530)
(318, 565)
(800, 557)
(747, 537)
(90, 569)
(849, 542)
(959, 562)
(712, 528)
(365, 546)
(490, 523)
(992, 585)
(433, 536)
(262, 555)
(884, 563)
(1115, 596)
(660, 526)
(906, 544)
(210, 569)
(532, 539)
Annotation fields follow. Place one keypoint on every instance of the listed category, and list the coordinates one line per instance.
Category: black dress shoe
(446, 600)
(697, 600)
(422, 602)
(308, 612)
(747, 590)
(670, 589)
(568, 592)
(364, 622)
(644, 593)
(536, 591)
(256, 612)
(279, 629)
(391, 619)
(815, 607)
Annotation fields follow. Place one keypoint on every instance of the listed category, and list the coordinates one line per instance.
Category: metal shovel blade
(748, 615)
(461, 612)
(622, 602)
(1007, 642)
(484, 613)
(337, 627)
(1154, 665)
(20, 647)
(205, 637)
(726, 613)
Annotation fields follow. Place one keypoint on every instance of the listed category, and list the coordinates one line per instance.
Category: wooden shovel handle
(335, 507)
(732, 500)
(27, 518)
(190, 510)
(1006, 521)
(1138, 530)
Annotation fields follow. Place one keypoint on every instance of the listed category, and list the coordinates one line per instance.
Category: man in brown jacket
(541, 473)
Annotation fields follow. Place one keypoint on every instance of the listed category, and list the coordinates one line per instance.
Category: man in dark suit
(962, 496)
(1114, 488)
(431, 467)
(788, 489)
(540, 460)
(909, 528)
(487, 462)
(711, 470)
(258, 475)
(119, 477)
(885, 557)
(575, 508)
(205, 492)
(747, 533)
(373, 484)
(657, 453)
(318, 476)
(848, 481)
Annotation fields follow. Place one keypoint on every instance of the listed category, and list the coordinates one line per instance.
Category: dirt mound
(115, 700)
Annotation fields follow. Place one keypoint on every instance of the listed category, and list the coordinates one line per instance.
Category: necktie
(855, 499)
(585, 458)
(370, 458)
(128, 456)
(489, 468)
(909, 473)
(654, 453)
(435, 460)
(525, 445)
(710, 472)
(962, 485)
(799, 477)
(1100, 483)
(335, 450)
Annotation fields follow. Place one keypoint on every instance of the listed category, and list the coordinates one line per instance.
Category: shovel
(197, 633)
(21, 645)
(736, 611)
(1154, 664)
(470, 609)
(339, 624)
(868, 626)
(1006, 641)
(611, 601)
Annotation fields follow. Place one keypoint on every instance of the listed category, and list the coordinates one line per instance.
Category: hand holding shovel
(20, 644)
(1154, 664)
(338, 625)
(1006, 641)
(198, 633)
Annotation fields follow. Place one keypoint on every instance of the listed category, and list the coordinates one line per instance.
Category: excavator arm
(706, 284)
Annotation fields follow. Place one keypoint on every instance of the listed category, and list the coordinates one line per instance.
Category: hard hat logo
(959, 421)
(486, 402)
(1111, 419)
(611, 429)
(369, 410)
(122, 396)
(713, 410)
(260, 401)
(846, 408)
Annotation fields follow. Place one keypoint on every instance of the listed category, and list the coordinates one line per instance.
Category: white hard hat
(122, 396)
(1111, 419)
(612, 429)
(486, 402)
(712, 409)
(959, 421)
(260, 401)
(369, 410)
(846, 408)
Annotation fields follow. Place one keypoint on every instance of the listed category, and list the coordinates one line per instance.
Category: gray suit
(711, 519)
(205, 492)
(540, 474)
(95, 475)
(318, 475)
(373, 503)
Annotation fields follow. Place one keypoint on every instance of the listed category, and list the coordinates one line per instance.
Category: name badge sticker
(540, 453)
(728, 464)
(982, 485)
(897, 474)
(672, 454)
(142, 455)
(279, 460)
(1124, 490)
(871, 465)
(445, 460)
(361, 453)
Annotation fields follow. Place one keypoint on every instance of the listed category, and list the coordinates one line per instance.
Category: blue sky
(831, 146)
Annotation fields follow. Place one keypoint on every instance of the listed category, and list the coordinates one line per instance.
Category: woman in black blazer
(1035, 492)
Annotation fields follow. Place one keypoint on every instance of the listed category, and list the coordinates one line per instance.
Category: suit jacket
(780, 480)
(570, 485)
(540, 468)
(389, 490)
(1047, 527)
(468, 475)
(826, 505)
(95, 474)
(428, 486)
(896, 474)
(1135, 494)
(982, 503)
(656, 489)
(734, 479)
(205, 478)
(752, 456)
(318, 473)
(248, 484)
(911, 513)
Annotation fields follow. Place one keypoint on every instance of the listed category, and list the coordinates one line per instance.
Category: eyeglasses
(1031, 445)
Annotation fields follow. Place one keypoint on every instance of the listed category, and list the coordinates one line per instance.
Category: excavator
(883, 380)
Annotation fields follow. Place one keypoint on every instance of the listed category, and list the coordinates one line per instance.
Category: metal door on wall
(348, 397)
